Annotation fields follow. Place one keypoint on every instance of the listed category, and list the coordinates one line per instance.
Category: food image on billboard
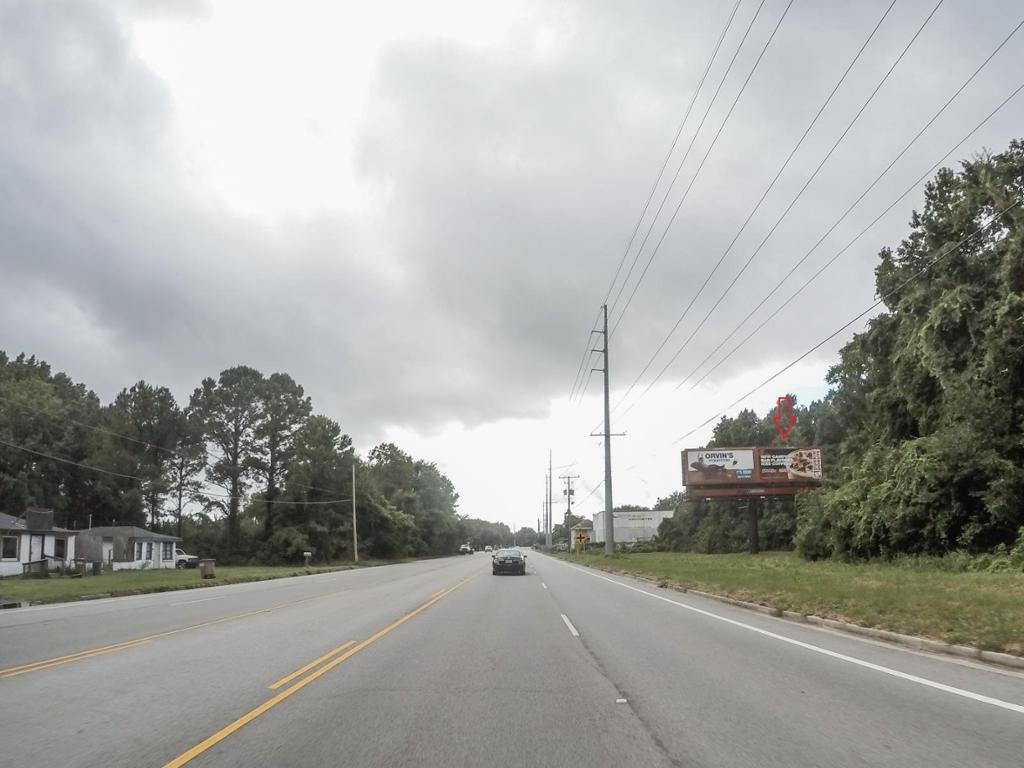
(724, 466)
(789, 464)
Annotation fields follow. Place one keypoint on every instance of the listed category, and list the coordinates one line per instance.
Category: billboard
(718, 466)
(736, 471)
(789, 464)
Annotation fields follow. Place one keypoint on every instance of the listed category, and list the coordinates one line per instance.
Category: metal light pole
(355, 536)
(609, 523)
(550, 471)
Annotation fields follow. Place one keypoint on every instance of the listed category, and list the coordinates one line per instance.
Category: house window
(9, 548)
(138, 550)
(149, 550)
(60, 548)
(168, 551)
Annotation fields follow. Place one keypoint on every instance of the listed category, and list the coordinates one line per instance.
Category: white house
(33, 538)
(630, 527)
(127, 547)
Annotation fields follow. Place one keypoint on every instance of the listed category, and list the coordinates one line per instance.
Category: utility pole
(547, 539)
(355, 536)
(568, 491)
(609, 522)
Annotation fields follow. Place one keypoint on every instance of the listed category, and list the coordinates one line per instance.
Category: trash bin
(97, 566)
(206, 568)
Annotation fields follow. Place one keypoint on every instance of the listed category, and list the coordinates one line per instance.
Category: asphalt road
(438, 663)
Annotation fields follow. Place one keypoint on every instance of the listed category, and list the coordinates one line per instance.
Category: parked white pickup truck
(184, 560)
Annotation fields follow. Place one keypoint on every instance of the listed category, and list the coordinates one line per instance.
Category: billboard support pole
(754, 509)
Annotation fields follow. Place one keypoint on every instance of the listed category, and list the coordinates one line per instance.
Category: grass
(985, 610)
(58, 589)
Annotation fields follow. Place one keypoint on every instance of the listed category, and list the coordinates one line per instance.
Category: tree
(229, 410)
(143, 422)
(421, 491)
(630, 508)
(526, 537)
(185, 467)
(927, 404)
(319, 471)
(283, 410)
(672, 501)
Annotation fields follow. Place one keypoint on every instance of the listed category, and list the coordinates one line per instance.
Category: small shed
(127, 547)
(32, 540)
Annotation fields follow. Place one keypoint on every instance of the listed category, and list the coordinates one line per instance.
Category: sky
(418, 209)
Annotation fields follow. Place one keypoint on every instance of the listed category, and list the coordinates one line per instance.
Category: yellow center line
(36, 666)
(248, 717)
(313, 663)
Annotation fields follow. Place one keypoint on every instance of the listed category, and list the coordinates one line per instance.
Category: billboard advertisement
(789, 464)
(737, 471)
(718, 466)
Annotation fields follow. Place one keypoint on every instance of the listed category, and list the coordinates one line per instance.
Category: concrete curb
(908, 641)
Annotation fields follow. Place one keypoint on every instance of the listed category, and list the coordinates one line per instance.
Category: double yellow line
(37, 666)
(273, 701)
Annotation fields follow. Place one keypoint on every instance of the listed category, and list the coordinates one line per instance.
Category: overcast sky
(416, 209)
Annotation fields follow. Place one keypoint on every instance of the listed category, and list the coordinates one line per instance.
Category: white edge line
(572, 630)
(1019, 709)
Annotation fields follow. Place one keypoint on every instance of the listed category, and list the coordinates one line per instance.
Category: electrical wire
(144, 480)
(758, 204)
(696, 174)
(780, 219)
(949, 251)
(587, 353)
(831, 261)
(856, 202)
(145, 443)
(672, 147)
(686, 154)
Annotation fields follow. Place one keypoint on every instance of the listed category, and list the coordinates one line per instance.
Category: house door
(108, 551)
(35, 547)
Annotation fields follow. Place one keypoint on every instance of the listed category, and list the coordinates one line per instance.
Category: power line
(686, 154)
(778, 221)
(672, 147)
(144, 480)
(145, 443)
(693, 180)
(587, 352)
(963, 241)
(838, 221)
(856, 202)
(831, 261)
(587, 383)
(757, 205)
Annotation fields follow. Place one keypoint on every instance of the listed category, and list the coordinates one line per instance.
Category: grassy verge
(981, 609)
(58, 589)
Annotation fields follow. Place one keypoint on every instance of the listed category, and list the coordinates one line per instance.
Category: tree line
(923, 424)
(245, 470)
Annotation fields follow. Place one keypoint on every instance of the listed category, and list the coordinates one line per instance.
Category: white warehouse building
(631, 526)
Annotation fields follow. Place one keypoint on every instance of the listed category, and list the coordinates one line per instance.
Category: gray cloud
(514, 175)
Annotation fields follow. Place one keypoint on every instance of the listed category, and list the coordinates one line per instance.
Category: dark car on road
(508, 561)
